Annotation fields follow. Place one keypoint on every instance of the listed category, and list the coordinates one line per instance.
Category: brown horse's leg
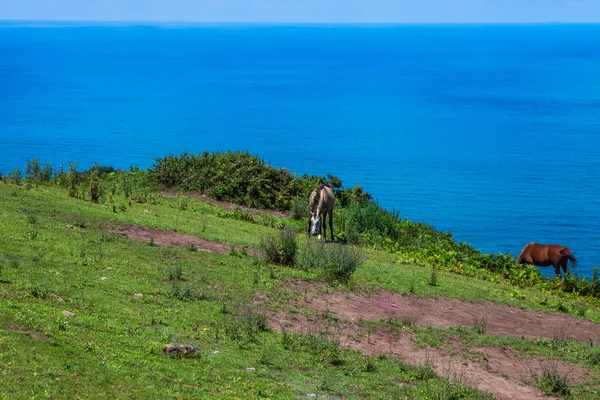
(565, 266)
(331, 224)
(308, 231)
(556, 269)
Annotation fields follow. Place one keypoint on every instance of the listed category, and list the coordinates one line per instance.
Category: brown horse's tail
(522, 255)
(566, 252)
(520, 259)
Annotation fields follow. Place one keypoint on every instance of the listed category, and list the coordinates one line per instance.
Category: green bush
(372, 219)
(335, 262)
(238, 177)
(232, 176)
(281, 247)
(299, 208)
(246, 325)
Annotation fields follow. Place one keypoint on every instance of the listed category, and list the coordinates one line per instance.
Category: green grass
(55, 256)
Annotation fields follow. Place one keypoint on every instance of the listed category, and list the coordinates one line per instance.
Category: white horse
(320, 204)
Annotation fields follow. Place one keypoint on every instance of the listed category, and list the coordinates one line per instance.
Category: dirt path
(502, 372)
(170, 238)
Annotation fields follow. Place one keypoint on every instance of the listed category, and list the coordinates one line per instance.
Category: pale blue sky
(412, 11)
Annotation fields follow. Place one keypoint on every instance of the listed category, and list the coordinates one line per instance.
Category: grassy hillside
(130, 298)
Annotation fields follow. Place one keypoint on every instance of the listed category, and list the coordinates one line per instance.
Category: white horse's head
(315, 223)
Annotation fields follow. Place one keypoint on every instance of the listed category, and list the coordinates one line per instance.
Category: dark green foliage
(280, 248)
(232, 176)
(370, 219)
(299, 208)
(238, 177)
(348, 196)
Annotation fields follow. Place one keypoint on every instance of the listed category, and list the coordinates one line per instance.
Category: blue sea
(491, 132)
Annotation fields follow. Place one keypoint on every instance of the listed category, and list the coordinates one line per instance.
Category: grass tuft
(280, 248)
(552, 382)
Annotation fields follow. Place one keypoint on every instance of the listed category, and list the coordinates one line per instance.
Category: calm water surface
(491, 132)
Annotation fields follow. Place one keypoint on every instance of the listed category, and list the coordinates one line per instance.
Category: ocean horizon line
(41, 23)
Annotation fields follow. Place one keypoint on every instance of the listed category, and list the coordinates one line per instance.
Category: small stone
(67, 313)
(104, 278)
(138, 295)
(311, 396)
(179, 349)
(250, 369)
(217, 353)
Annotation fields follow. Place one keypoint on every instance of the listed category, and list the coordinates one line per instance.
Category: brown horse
(544, 255)
(320, 205)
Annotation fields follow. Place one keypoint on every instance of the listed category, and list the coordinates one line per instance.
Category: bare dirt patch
(501, 319)
(256, 212)
(30, 333)
(502, 372)
(171, 238)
